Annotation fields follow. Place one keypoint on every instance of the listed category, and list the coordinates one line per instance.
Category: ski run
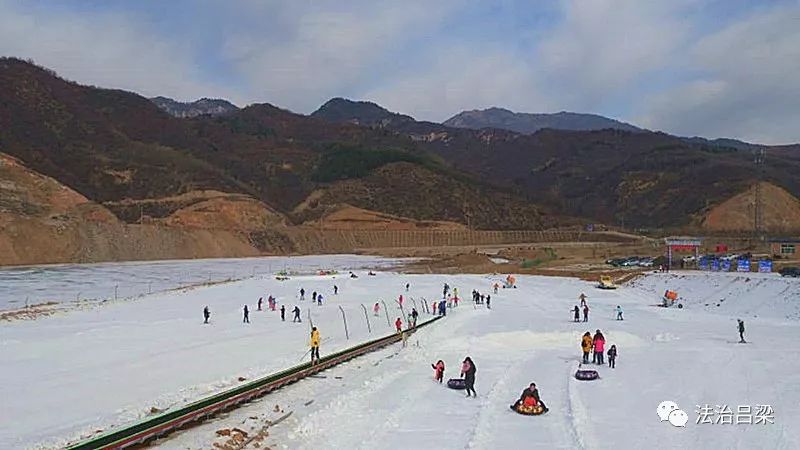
(66, 376)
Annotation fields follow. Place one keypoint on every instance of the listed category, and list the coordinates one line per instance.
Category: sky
(713, 68)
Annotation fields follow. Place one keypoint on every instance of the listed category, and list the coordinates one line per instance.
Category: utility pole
(758, 211)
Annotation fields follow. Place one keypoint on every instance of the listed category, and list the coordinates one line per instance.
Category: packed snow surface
(66, 376)
(71, 282)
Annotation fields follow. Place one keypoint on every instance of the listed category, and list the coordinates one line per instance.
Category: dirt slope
(43, 221)
(781, 211)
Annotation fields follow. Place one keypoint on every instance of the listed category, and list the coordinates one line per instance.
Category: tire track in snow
(576, 413)
(479, 437)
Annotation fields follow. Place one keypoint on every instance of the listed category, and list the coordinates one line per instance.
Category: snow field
(91, 369)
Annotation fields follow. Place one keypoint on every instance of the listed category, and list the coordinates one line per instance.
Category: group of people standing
(480, 299)
(596, 346)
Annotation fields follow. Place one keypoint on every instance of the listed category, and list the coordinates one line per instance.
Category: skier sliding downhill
(376, 309)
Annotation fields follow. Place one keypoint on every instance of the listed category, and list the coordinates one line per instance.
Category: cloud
(461, 78)
(104, 49)
(326, 49)
(602, 48)
(749, 86)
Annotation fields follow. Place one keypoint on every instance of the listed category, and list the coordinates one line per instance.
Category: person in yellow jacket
(586, 346)
(314, 345)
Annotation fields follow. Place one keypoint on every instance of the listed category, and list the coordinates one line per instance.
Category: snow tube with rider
(526, 410)
(586, 375)
(456, 383)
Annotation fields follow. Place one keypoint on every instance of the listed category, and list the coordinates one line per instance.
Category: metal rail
(164, 423)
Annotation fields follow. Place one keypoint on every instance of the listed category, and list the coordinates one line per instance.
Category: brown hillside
(781, 211)
(43, 221)
(349, 217)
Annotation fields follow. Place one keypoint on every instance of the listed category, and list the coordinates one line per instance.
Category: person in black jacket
(296, 312)
(577, 314)
(206, 314)
(741, 331)
(612, 357)
(468, 372)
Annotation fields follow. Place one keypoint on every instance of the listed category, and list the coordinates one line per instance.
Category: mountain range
(242, 178)
(531, 123)
(204, 106)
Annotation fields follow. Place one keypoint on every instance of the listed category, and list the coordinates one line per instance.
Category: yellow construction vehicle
(606, 282)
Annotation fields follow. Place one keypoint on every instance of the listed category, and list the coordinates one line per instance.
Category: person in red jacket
(438, 373)
(399, 325)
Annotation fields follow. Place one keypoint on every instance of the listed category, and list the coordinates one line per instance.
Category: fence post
(310, 321)
(344, 319)
(150, 287)
(366, 316)
(402, 311)
(386, 310)
(414, 302)
(116, 288)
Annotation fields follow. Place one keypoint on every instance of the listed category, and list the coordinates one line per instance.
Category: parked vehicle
(646, 262)
(790, 272)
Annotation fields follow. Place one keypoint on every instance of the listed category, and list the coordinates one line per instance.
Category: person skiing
(400, 300)
(438, 371)
(314, 345)
(455, 292)
(530, 397)
(283, 313)
(414, 315)
(296, 312)
(319, 299)
(273, 303)
(576, 314)
(302, 294)
(398, 324)
(582, 298)
(246, 318)
(496, 287)
(376, 309)
(206, 314)
(619, 312)
(445, 290)
(314, 296)
(488, 301)
(599, 342)
(612, 357)
(335, 290)
(483, 297)
(468, 372)
(586, 346)
(260, 301)
(741, 331)
(585, 313)
(407, 286)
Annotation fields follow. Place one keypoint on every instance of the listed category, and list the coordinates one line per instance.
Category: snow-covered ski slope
(71, 374)
(102, 281)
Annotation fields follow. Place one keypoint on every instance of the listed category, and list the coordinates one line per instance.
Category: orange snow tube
(672, 295)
